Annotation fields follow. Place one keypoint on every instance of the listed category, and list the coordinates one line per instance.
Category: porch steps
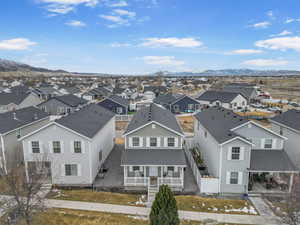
(152, 190)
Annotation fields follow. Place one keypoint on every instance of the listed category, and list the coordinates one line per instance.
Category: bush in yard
(164, 208)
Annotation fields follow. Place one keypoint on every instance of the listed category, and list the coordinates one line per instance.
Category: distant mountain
(237, 72)
(11, 66)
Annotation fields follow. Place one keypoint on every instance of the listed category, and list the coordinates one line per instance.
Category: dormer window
(153, 126)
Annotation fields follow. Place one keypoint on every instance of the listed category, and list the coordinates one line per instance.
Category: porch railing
(136, 181)
(144, 181)
(171, 181)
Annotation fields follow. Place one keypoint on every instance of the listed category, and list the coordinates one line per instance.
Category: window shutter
(158, 141)
(41, 147)
(229, 153)
(29, 147)
(240, 181)
(262, 143)
(62, 146)
(72, 149)
(274, 143)
(165, 142)
(79, 170)
(63, 170)
(148, 142)
(50, 147)
(130, 168)
(176, 142)
(130, 142)
(141, 142)
(227, 177)
(242, 153)
(82, 146)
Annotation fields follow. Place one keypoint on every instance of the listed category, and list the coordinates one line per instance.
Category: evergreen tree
(164, 208)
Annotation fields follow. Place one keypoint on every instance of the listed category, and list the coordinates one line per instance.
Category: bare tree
(24, 190)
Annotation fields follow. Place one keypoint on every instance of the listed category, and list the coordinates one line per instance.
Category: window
(268, 143)
(77, 147)
(171, 142)
(190, 106)
(153, 142)
(153, 126)
(170, 168)
(135, 141)
(71, 170)
(35, 146)
(18, 133)
(68, 110)
(235, 153)
(176, 108)
(119, 110)
(281, 131)
(234, 177)
(56, 147)
(136, 168)
(100, 156)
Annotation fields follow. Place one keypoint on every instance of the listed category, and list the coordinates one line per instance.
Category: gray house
(64, 104)
(15, 125)
(288, 124)
(74, 147)
(242, 154)
(153, 152)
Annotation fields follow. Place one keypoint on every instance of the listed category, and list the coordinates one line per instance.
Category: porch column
(145, 176)
(291, 182)
(125, 175)
(182, 176)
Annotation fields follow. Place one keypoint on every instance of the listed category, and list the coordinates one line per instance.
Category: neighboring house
(249, 91)
(178, 103)
(65, 90)
(15, 125)
(17, 100)
(153, 152)
(238, 151)
(116, 104)
(46, 92)
(62, 104)
(228, 100)
(157, 90)
(74, 147)
(97, 93)
(288, 125)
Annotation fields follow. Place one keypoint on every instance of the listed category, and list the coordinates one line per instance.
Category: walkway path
(140, 211)
(261, 206)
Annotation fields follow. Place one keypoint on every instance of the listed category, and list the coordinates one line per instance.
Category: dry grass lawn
(120, 141)
(77, 217)
(121, 125)
(186, 123)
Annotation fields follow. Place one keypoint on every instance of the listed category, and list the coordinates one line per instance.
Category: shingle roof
(71, 100)
(153, 157)
(119, 99)
(165, 98)
(87, 121)
(245, 91)
(154, 113)
(155, 89)
(219, 122)
(23, 117)
(17, 98)
(222, 96)
(290, 118)
(271, 160)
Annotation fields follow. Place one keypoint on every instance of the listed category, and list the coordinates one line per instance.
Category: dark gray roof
(99, 91)
(219, 122)
(245, 91)
(271, 160)
(153, 157)
(222, 96)
(23, 117)
(156, 89)
(16, 98)
(249, 85)
(290, 118)
(120, 100)
(87, 121)
(154, 113)
(72, 90)
(71, 100)
(165, 98)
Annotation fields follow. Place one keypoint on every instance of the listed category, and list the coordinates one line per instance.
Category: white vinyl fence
(125, 118)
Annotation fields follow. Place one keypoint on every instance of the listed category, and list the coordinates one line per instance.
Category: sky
(145, 36)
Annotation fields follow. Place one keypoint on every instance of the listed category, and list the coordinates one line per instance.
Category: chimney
(15, 116)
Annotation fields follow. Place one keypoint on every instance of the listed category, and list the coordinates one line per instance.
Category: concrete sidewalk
(262, 207)
(185, 215)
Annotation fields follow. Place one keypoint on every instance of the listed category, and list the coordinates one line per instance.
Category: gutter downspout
(220, 169)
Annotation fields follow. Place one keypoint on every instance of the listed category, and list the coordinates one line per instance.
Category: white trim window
(153, 142)
(56, 147)
(190, 106)
(135, 142)
(77, 147)
(35, 147)
(119, 110)
(171, 141)
(71, 170)
(234, 177)
(268, 144)
(235, 153)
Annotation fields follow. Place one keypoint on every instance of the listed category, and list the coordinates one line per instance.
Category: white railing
(136, 181)
(124, 117)
(171, 181)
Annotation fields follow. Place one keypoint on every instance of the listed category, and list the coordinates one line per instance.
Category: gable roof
(290, 118)
(219, 122)
(70, 100)
(16, 98)
(153, 113)
(155, 89)
(87, 121)
(23, 117)
(222, 96)
(245, 91)
(118, 99)
(165, 99)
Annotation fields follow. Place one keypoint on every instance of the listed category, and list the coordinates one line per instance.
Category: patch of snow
(138, 217)
(250, 210)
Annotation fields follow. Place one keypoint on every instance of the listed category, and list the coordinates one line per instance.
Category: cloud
(280, 43)
(265, 62)
(291, 20)
(162, 60)
(172, 42)
(261, 25)
(283, 33)
(270, 14)
(16, 44)
(66, 6)
(75, 23)
(123, 12)
(117, 20)
(244, 52)
(118, 4)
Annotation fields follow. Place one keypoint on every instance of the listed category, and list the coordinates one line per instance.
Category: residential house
(63, 104)
(115, 104)
(157, 90)
(14, 125)
(249, 91)
(74, 147)
(153, 152)
(288, 125)
(97, 93)
(228, 100)
(242, 154)
(178, 103)
(46, 92)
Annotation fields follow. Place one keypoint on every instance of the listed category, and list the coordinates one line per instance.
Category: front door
(153, 174)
